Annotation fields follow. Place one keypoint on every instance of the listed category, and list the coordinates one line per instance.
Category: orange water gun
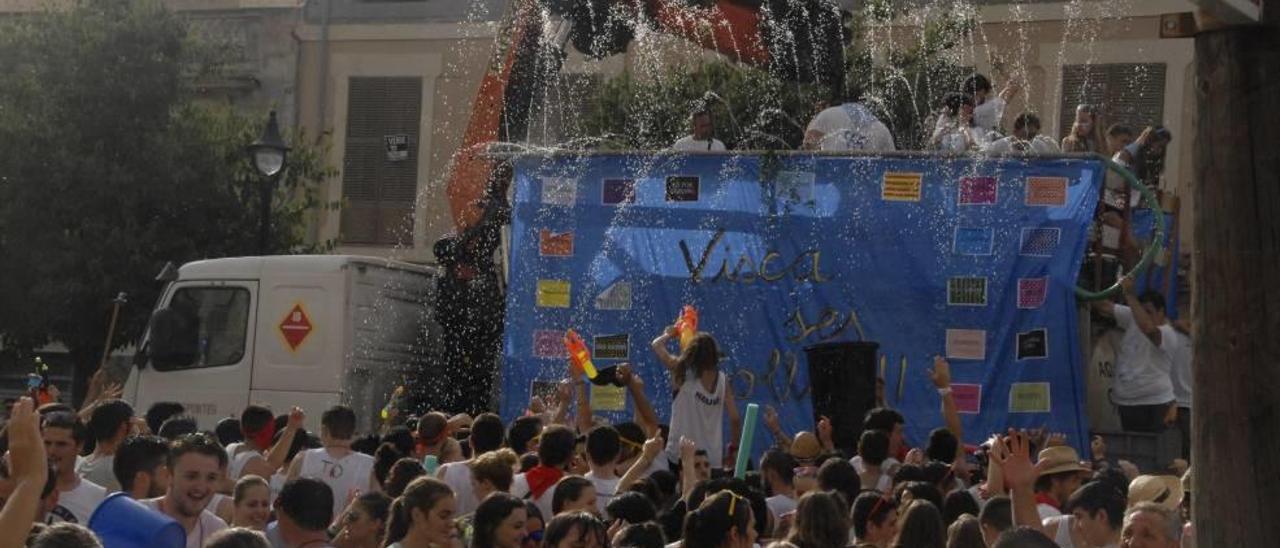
(687, 326)
(579, 355)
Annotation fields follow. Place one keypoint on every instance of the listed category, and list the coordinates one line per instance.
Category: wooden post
(1236, 285)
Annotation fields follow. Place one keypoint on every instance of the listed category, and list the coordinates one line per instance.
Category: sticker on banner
(1032, 291)
(968, 398)
(978, 191)
(608, 398)
(549, 343)
(1029, 397)
(682, 188)
(1033, 345)
(559, 191)
(794, 186)
(901, 187)
(1046, 191)
(1039, 242)
(967, 344)
(611, 347)
(973, 241)
(553, 294)
(615, 297)
(618, 191)
(555, 244)
(967, 291)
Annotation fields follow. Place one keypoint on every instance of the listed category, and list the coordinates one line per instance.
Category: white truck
(306, 330)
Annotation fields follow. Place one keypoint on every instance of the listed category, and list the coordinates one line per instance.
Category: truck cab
(304, 330)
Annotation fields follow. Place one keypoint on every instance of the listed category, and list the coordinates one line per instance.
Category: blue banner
(975, 259)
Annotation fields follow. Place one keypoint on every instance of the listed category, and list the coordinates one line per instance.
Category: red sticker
(968, 398)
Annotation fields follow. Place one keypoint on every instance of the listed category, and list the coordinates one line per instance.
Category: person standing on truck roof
(77, 497)
(111, 422)
(256, 455)
(346, 472)
(848, 126)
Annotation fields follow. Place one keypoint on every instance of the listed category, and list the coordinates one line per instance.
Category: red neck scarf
(541, 478)
(262, 438)
(1044, 498)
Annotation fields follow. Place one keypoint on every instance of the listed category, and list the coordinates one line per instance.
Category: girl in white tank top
(702, 397)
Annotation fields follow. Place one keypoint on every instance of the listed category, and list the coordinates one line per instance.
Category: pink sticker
(1031, 292)
(968, 398)
(978, 191)
(967, 344)
(549, 344)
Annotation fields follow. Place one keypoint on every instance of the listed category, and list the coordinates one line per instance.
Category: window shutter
(379, 192)
(1128, 93)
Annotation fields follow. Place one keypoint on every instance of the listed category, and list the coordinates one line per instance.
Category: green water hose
(1157, 238)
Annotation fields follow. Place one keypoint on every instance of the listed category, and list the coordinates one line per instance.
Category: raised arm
(735, 419)
(583, 418)
(1145, 322)
(659, 346)
(774, 425)
(649, 453)
(1014, 455)
(274, 458)
(688, 476)
(941, 377)
(646, 417)
(28, 470)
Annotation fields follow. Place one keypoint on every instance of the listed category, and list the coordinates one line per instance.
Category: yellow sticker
(901, 187)
(1029, 397)
(608, 398)
(553, 294)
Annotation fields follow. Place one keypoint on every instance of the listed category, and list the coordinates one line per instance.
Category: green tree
(755, 110)
(109, 169)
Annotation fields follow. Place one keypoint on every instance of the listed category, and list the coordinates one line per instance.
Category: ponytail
(709, 525)
(421, 494)
(701, 355)
(397, 522)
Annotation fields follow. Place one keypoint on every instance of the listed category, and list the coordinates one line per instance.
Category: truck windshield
(214, 319)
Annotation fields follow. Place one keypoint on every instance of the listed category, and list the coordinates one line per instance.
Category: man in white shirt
(850, 126)
(1143, 389)
(778, 470)
(346, 472)
(111, 422)
(988, 110)
(486, 435)
(702, 139)
(1026, 138)
(603, 447)
(77, 497)
(196, 461)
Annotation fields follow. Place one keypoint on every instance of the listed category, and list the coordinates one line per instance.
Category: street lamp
(269, 153)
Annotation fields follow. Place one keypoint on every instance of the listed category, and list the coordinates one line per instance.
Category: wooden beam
(1236, 286)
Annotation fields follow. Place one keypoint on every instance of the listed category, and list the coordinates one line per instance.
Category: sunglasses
(733, 500)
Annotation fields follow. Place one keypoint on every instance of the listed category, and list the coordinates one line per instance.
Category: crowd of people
(550, 478)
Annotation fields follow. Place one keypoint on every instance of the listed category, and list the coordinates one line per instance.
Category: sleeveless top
(699, 416)
(343, 476)
(236, 461)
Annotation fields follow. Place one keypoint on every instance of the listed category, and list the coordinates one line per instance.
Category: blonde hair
(496, 467)
(1094, 142)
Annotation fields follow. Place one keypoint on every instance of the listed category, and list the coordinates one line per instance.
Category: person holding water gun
(702, 394)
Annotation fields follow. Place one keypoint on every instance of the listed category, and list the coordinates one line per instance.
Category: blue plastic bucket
(121, 522)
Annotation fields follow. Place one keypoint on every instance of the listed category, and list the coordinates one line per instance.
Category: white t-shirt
(1142, 368)
(97, 468)
(689, 144)
(237, 460)
(780, 504)
(606, 489)
(207, 526)
(520, 488)
(851, 126)
(1180, 356)
(887, 469)
(1046, 511)
(989, 114)
(1039, 144)
(76, 505)
(458, 476)
(698, 415)
(343, 475)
